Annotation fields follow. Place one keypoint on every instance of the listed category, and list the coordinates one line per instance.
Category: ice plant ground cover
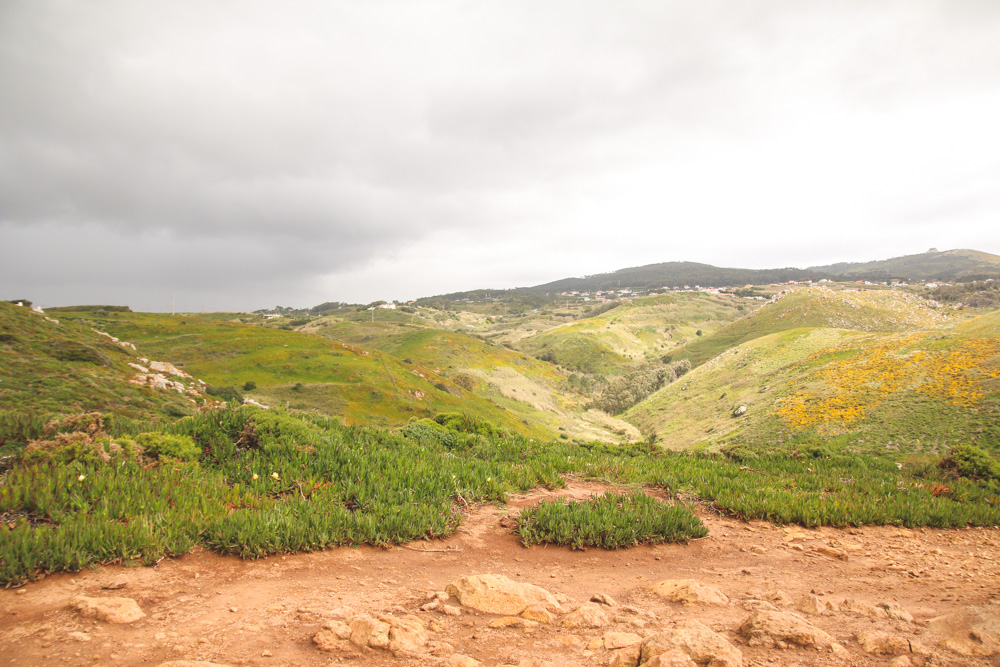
(264, 482)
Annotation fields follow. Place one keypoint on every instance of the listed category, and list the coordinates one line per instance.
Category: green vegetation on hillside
(269, 482)
(56, 366)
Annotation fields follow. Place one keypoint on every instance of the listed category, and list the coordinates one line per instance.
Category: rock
(587, 615)
(191, 663)
(430, 606)
(512, 622)
(613, 640)
(973, 631)
(831, 552)
(740, 411)
(626, 657)
(778, 597)
(689, 591)
(538, 613)
(79, 636)
(699, 642)
(901, 661)
(341, 629)
(407, 634)
(496, 594)
(757, 605)
(812, 605)
(862, 609)
(459, 660)
(883, 643)
(780, 628)
(842, 653)
(606, 600)
(896, 613)
(368, 631)
(328, 640)
(675, 657)
(116, 584)
(535, 662)
(109, 610)
(595, 644)
(440, 649)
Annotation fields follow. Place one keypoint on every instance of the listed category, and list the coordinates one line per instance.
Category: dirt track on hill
(266, 612)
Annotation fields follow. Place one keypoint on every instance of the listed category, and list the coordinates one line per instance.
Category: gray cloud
(247, 153)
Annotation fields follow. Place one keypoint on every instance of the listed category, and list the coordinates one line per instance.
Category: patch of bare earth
(851, 584)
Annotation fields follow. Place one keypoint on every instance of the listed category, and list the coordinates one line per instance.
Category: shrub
(228, 394)
(166, 446)
(249, 385)
(611, 521)
(971, 462)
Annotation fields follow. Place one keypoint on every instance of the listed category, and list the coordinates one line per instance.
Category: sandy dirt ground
(266, 612)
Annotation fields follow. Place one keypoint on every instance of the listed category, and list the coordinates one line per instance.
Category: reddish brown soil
(265, 612)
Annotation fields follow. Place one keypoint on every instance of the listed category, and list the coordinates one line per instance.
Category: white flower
(81, 478)
(274, 475)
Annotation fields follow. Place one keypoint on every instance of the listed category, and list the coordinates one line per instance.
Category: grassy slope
(636, 332)
(363, 385)
(529, 389)
(874, 310)
(880, 392)
(38, 377)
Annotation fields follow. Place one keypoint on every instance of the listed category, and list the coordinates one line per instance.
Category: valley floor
(266, 612)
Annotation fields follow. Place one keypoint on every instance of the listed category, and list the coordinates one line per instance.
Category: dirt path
(265, 612)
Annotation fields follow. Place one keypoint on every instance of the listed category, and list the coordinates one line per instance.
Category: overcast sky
(241, 154)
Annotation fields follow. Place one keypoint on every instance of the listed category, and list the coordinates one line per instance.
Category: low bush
(971, 462)
(165, 446)
(610, 521)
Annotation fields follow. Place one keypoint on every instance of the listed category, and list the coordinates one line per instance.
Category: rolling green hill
(868, 310)
(635, 333)
(882, 392)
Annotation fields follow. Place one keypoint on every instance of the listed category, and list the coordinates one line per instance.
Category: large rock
(613, 640)
(973, 631)
(587, 615)
(626, 657)
(368, 631)
(689, 591)
(782, 628)
(406, 634)
(699, 642)
(496, 594)
(109, 610)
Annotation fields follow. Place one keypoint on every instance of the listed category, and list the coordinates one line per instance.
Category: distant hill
(950, 265)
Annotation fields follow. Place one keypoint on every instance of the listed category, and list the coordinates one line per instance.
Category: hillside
(867, 310)
(634, 333)
(950, 265)
(53, 365)
(307, 371)
(886, 393)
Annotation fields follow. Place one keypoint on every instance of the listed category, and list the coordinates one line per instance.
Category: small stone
(831, 552)
(883, 643)
(459, 660)
(368, 631)
(22, 591)
(430, 606)
(79, 636)
(606, 600)
(449, 610)
(812, 605)
(116, 584)
(109, 610)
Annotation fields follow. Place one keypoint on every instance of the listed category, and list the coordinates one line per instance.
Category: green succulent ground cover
(610, 521)
(268, 482)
